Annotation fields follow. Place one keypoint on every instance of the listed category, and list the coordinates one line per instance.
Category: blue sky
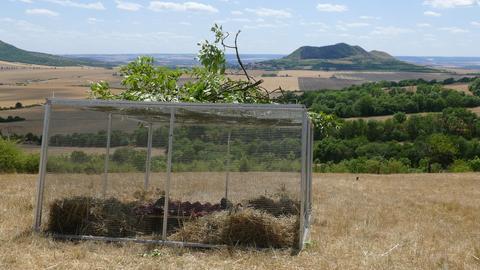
(407, 27)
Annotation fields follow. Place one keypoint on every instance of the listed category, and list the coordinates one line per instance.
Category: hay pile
(282, 206)
(247, 227)
(91, 216)
(263, 223)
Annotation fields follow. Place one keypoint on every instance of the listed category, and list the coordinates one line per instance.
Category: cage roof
(195, 113)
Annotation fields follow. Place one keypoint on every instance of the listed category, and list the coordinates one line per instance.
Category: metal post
(149, 157)
(303, 182)
(308, 185)
(227, 176)
(42, 168)
(310, 166)
(169, 174)
(107, 155)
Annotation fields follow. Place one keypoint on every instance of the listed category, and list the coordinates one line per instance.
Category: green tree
(474, 87)
(400, 117)
(364, 106)
(441, 150)
(143, 81)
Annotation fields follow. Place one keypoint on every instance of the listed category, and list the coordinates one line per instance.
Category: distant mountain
(340, 57)
(177, 60)
(10, 53)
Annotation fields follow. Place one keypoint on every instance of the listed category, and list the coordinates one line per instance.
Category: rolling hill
(340, 57)
(10, 53)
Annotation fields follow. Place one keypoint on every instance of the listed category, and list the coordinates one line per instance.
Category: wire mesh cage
(199, 175)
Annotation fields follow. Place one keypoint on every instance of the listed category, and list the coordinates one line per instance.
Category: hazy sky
(403, 27)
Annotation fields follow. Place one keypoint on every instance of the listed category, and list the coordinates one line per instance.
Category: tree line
(382, 98)
(447, 141)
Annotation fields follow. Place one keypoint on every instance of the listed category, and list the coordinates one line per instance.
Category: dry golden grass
(385, 117)
(379, 222)
(460, 87)
(32, 86)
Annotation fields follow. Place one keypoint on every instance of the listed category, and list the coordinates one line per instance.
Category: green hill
(10, 53)
(340, 57)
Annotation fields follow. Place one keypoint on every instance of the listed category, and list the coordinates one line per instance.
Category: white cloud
(390, 31)
(369, 18)
(93, 20)
(237, 13)
(454, 30)
(69, 3)
(432, 13)
(21, 25)
(476, 23)
(424, 25)
(331, 8)
(186, 6)
(23, 1)
(265, 25)
(128, 6)
(267, 12)
(318, 24)
(357, 24)
(429, 37)
(450, 3)
(41, 11)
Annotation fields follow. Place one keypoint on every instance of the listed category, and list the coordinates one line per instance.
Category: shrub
(10, 156)
(244, 165)
(123, 155)
(436, 168)
(31, 163)
(79, 156)
(394, 166)
(475, 164)
(459, 166)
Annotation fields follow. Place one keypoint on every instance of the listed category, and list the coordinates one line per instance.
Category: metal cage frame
(306, 161)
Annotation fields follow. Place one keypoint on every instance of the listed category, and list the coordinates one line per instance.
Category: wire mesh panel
(187, 174)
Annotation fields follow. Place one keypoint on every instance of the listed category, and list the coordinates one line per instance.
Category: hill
(10, 53)
(340, 57)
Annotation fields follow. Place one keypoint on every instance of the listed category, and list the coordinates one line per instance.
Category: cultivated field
(378, 222)
(31, 84)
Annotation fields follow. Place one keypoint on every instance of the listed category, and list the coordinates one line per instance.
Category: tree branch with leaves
(208, 83)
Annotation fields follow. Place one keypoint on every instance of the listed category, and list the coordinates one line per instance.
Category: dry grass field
(461, 87)
(379, 222)
(32, 85)
(385, 117)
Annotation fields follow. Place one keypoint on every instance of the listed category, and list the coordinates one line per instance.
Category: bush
(79, 157)
(460, 166)
(31, 163)
(123, 155)
(244, 165)
(13, 160)
(475, 164)
(394, 166)
(436, 168)
(10, 157)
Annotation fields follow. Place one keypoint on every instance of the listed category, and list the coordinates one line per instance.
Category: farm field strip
(418, 221)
